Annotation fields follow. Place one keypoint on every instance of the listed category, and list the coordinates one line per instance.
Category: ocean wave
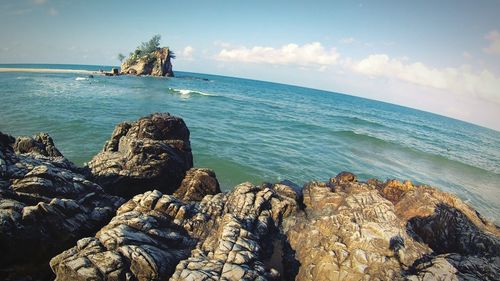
(188, 92)
(360, 121)
(437, 159)
(354, 136)
(81, 78)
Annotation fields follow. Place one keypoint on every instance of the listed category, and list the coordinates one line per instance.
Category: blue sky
(438, 56)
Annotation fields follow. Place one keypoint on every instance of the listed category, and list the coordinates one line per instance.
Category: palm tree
(171, 54)
(121, 57)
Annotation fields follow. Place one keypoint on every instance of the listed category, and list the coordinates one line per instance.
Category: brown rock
(344, 177)
(159, 65)
(196, 184)
(349, 233)
(388, 231)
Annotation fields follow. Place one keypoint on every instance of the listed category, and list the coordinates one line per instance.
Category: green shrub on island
(148, 59)
(145, 51)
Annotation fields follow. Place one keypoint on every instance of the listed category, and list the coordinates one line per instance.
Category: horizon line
(272, 82)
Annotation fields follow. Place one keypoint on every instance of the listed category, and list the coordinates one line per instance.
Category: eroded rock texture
(156, 237)
(339, 230)
(197, 183)
(152, 153)
(159, 64)
(385, 231)
(465, 246)
(348, 231)
(342, 229)
(45, 206)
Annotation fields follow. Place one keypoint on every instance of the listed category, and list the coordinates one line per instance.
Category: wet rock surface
(45, 206)
(152, 153)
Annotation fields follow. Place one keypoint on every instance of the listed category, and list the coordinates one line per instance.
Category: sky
(438, 56)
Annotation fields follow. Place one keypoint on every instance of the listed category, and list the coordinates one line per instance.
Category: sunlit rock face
(159, 65)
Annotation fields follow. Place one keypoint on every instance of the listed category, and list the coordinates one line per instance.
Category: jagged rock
(144, 241)
(339, 230)
(343, 229)
(223, 237)
(196, 184)
(152, 153)
(344, 177)
(243, 241)
(45, 206)
(349, 232)
(39, 144)
(455, 232)
(159, 65)
(355, 231)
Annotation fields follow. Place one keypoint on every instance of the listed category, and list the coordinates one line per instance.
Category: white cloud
(483, 84)
(187, 52)
(290, 54)
(494, 38)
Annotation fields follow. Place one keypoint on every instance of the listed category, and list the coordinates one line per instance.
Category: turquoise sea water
(258, 131)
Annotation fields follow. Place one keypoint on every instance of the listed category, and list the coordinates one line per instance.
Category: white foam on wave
(81, 78)
(188, 92)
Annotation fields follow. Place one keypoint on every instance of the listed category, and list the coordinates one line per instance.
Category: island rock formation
(178, 225)
(157, 64)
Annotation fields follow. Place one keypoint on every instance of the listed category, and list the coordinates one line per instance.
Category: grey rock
(152, 153)
(45, 206)
(39, 144)
(155, 237)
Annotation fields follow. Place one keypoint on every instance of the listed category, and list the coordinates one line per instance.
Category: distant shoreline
(47, 70)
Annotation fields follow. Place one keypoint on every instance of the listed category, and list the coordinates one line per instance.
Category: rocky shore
(140, 211)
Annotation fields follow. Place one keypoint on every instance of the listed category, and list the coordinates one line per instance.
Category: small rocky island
(148, 59)
(140, 211)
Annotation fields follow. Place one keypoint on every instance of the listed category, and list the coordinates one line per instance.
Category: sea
(248, 130)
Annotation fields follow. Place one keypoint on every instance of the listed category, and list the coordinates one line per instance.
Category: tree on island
(146, 50)
(121, 57)
(148, 59)
(150, 46)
